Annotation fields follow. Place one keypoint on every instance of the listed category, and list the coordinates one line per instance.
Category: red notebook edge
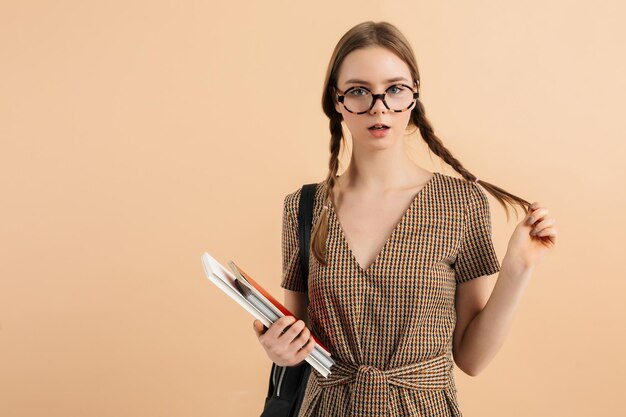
(274, 301)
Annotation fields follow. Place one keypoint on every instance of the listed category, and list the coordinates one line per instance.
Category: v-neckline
(391, 235)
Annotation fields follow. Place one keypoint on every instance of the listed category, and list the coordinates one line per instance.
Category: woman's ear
(338, 105)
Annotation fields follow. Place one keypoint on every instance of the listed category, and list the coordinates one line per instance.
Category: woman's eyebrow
(391, 80)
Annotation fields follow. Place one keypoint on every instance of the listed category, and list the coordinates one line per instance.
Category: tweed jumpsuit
(389, 327)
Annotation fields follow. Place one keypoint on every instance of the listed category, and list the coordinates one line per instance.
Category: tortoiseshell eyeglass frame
(340, 98)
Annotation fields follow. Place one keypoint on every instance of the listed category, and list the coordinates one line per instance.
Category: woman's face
(373, 68)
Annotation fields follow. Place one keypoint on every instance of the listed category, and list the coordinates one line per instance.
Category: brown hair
(386, 35)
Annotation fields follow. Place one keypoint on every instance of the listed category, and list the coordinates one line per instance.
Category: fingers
(547, 232)
(305, 350)
(532, 207)
(302, 339)
(259, 328)
(303, 344)
(286, 338)
(542, 226)
(294, 331)
(282, 326)
(537, 214)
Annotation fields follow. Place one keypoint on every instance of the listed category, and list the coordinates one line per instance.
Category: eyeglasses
(359, 100)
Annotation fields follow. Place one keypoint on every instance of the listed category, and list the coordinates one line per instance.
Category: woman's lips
(378, 133)
(378, 125)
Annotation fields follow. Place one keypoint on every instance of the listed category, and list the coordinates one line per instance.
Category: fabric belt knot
(370, 393)
(371, 388)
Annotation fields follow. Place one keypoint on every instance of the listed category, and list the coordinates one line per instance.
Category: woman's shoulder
(457, 186)
(458, 183)
(459, 190)
(292, 198)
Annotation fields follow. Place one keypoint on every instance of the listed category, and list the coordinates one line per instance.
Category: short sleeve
(476, 256)
(292, 278)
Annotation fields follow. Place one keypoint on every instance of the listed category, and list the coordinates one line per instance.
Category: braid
(320, 230)
(418, 118)
(435, 144)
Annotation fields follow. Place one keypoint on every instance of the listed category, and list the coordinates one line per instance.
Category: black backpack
(287, 384)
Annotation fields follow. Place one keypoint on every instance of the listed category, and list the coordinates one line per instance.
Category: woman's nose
(378, 106)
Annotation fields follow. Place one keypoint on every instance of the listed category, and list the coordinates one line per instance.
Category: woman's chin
(368, 140)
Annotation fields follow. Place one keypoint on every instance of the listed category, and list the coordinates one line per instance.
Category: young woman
(398, 277)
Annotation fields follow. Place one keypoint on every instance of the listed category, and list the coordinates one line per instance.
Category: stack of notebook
(251, 296)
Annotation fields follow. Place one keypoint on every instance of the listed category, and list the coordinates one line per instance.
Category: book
(239, 286)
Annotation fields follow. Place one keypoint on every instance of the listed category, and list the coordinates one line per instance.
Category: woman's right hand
(287, 342)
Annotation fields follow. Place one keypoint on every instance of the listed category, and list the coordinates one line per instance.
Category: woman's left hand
(533, 237)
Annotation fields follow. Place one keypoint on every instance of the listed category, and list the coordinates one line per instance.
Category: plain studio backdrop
(135, 135)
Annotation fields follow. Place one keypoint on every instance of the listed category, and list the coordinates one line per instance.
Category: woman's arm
(483, 321)
(296, 303)
(483, 325)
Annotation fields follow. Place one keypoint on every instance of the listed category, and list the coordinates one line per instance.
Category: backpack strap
(305, 224)
(300, 373)
(287, 385)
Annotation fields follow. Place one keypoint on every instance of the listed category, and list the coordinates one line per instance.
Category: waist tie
(370, 394)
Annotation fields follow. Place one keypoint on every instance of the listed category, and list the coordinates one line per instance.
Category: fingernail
(530, 220)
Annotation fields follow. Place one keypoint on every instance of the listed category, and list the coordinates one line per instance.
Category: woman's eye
(397, 89)
(358, 92)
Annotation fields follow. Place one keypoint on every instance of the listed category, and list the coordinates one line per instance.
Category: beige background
(137, 134)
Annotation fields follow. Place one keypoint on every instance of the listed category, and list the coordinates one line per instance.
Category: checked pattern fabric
(389, 327)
